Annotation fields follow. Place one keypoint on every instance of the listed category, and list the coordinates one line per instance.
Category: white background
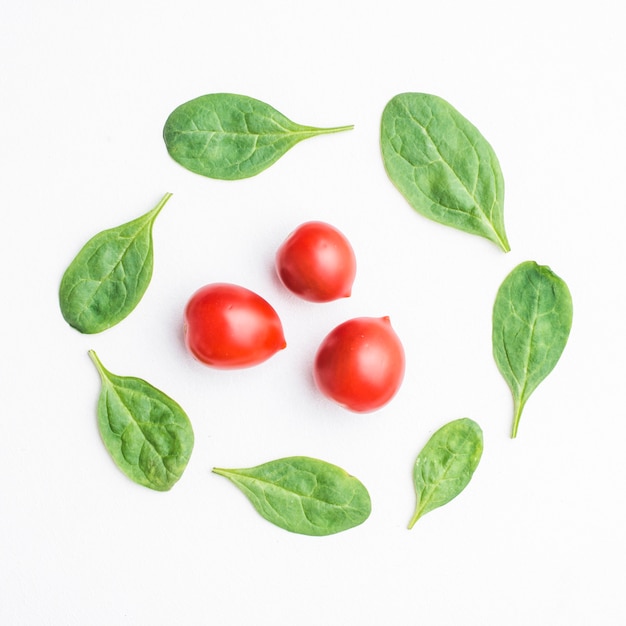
(538, 535)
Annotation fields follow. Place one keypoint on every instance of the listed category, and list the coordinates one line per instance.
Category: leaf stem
(414, 519)
(504, 243)
(339, 129)
(159, 206)
(314, 130)
(516, 417)
(96, 361)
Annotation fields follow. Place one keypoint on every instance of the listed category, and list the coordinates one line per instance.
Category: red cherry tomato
(360, 364)
(228, 326)
(317, 263)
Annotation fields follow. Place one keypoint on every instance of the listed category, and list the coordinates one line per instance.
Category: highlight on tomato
(317, 263)
(228, 326)
(360, 364)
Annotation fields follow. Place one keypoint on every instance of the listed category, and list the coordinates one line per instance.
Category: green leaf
(446, 464)
(532, 318)
(109, 276)
(303, 495)
(147, 433)
(443, 166)
(228, 136)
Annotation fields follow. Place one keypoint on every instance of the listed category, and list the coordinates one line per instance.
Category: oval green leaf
(446, 464)
(229, 136)
(303, 495)
(443, 166)
(109, 276)
(147, 434)
(532, 318)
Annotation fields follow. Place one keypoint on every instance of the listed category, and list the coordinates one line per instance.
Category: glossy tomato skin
(360, 364)
(317, 263)
(228, 326)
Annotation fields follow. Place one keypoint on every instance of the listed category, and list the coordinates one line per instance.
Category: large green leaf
(532, 318)
(445, 465)
(148, 434)
(303, 495)
(109, 276)
(443, 166)
(229, 136)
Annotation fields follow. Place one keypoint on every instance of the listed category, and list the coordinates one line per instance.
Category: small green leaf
(532, 318)
(443, 166)
(147, 433)
(446, 464)
(229, 136)
(109, 276)
(303, 495)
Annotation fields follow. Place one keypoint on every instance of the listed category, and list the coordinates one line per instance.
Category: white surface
(536, 538)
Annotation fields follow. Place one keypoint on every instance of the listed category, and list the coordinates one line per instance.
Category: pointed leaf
(229, 136)
(532, 318)
(446, 464)
(148, 434)
(109, 276)
(303, 495)
(443, 166)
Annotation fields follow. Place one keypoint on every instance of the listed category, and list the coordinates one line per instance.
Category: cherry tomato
(228, 326)
(360, 364)
(317, 263)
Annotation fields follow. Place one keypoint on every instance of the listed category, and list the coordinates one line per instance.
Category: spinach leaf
(147, 433)
(228, 136)
(532, 318)
(446, 464)
(443, 166)
(109, 276)
(303, 495)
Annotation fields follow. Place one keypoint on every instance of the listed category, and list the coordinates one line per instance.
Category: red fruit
(228, 326)
(360, 364)
(317, 263)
